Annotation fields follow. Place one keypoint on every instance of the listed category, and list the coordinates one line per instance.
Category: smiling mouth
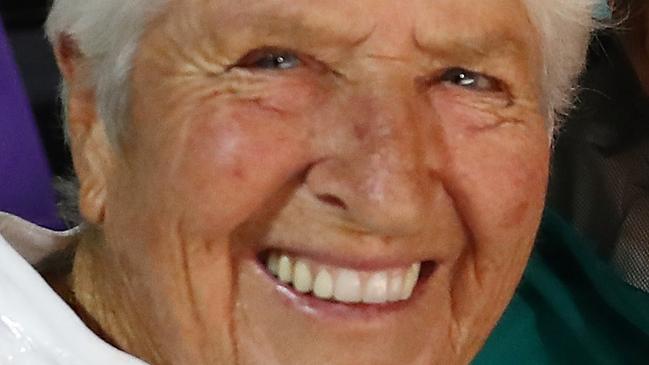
(341, 285)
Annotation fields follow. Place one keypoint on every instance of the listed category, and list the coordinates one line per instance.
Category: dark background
(23, 22)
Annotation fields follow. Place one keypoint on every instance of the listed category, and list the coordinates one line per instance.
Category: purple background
(25, 179)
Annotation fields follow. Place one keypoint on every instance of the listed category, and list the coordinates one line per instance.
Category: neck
(99, 300)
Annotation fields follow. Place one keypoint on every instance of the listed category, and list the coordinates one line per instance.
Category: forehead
(462, 9)
(427, 20)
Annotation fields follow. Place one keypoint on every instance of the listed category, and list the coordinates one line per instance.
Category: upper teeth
(343, 284)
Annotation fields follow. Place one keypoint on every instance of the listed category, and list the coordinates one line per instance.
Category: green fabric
(570, 308)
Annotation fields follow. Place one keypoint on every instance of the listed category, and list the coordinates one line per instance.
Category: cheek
(503, 182)
(219, 154)
(240, 149)
(233, 163)
(499, 171)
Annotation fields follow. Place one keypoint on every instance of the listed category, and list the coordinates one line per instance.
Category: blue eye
(470, 80)
(278, 61)
(270, 60)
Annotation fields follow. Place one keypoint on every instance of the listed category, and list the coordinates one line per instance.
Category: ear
(91, 150)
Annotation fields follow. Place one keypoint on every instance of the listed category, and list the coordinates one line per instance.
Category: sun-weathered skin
(363, 153)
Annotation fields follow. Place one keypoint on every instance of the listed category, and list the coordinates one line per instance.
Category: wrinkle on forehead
(468, 30)
(334, 20)
(439, 26)
(474, 28)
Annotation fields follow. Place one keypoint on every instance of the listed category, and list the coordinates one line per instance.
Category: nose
(378, 172)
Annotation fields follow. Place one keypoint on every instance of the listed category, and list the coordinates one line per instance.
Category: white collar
(36, 326)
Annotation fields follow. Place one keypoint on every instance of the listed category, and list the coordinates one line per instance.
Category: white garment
(36, 326)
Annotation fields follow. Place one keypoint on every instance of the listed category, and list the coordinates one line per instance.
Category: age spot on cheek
(517, 215)
(361, 131)
(239, 173)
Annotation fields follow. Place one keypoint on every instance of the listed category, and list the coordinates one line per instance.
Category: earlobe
(92, 202)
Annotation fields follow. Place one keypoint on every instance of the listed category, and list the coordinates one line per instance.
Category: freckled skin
(218, 162)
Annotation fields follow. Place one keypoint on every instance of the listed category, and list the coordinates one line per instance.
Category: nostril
(332, 200)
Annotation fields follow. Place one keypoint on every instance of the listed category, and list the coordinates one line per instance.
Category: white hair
(565, 28)
(107, 34)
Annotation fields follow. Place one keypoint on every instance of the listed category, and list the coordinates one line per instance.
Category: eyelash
(273, 59)
(270, 59)
(471, 80)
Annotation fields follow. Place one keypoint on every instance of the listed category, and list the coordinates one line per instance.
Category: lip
(324, 309)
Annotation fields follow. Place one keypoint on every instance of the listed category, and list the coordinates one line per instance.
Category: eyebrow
(470, 46)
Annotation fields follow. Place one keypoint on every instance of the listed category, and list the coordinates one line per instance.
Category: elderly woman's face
(356, 140)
